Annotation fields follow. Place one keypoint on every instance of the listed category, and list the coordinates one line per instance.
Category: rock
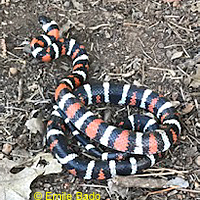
(13, 71)
(66, 4)
(197, 160)
(161, 45)
(7, 148)
(1, 156)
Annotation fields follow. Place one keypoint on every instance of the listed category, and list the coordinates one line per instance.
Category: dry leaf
(66, 27)
(182, 183)
(177, 55)
(77, 5)
(17, 186)
(172, 72)
(188, 108)
(116, 189)
(196, 78)
(175, 2)
(195, 83)
(195, 7)
(175, 103)
(35, 124)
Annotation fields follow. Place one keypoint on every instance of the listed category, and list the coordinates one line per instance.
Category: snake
(111, 150)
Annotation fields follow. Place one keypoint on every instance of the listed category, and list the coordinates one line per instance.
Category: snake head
(44, 20)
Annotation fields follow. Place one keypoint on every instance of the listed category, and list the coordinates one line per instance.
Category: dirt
(153, 43)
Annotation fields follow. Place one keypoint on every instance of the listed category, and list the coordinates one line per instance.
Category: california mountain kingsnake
(70, 115)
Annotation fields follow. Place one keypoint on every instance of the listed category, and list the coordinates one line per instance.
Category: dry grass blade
(98, 26)
(3, 48)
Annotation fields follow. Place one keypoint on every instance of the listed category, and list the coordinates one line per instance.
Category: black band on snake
(147, 137)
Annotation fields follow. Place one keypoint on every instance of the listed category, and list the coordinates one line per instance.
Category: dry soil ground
(148, 42)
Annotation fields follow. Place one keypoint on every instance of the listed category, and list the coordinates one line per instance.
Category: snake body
(147, 137)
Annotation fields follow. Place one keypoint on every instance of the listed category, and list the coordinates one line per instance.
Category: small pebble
(13, 70)
(7, 148)
(161, 45)
(152, 40)
(187, 81)
(167, 12)
(172, 193)
(1, 156)
(168, 53)
(47, 185)
(174, 96)
(66, 4)
(196, 185)
(197, 160)
(179, 196)
(107, 35)
(197, 125)
(112, 64)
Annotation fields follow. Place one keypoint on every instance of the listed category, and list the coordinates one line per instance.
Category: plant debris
(150, 43)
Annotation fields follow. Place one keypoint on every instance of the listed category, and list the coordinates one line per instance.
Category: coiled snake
(146, 138)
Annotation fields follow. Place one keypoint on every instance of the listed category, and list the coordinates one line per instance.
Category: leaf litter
(17, 186)
(115, 33)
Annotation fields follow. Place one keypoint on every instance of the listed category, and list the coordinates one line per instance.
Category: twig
(155, 174)
(132, 24)
(39, 101)
(5, 141)
(98, 26)
(40, 92)
(143, 74)
(161, 191)
(194, 138)
(3, 47)
(112, 1)
(188, 190)
(180, 27)
(14, 108)
(6, 131)
(20, 156)
(10, 53)
(162, 69)
(141, 42)
(147, 55)
(167, 169)
(187, 54)
(95, 3)
(59, 7)
(94, 186)
(182, 71)
(173, 45)
(195, 94)
(32, 96)
(155, 24)
(182, 94)
(171, 16)
(20, 91)
(178, 35)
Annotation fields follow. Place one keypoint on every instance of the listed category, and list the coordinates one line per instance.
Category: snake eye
(44, 20)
